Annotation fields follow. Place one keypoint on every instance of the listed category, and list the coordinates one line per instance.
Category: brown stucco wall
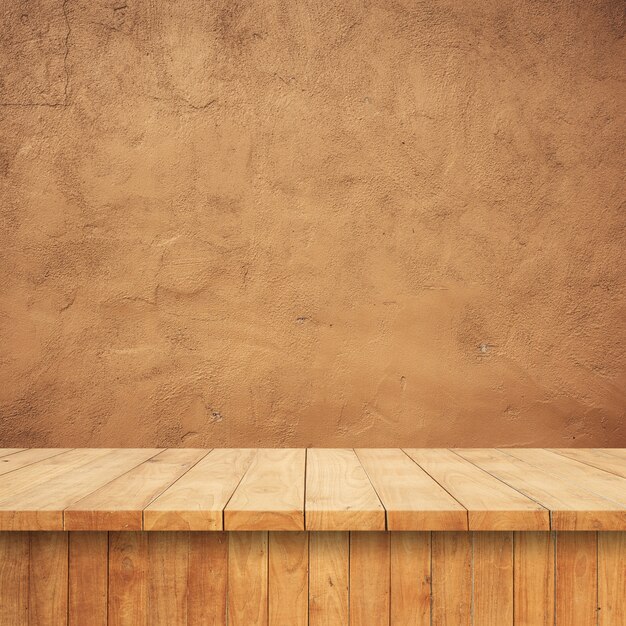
(266, 222)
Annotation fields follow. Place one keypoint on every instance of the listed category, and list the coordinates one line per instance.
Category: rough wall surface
(267, 222)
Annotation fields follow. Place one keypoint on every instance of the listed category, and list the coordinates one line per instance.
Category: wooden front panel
(88, 578)
(533, 581)
(329, 578)
(410, 578)
(452, 578)
(492, 559)
(577, 577)
(288, 578)
(312, 579)
(369, 579)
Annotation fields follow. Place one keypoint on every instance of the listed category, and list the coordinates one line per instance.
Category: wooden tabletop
(313, 489)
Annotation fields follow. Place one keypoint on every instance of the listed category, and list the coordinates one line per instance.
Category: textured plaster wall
(270, 222)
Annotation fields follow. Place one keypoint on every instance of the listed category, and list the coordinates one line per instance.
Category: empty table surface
(316, 489)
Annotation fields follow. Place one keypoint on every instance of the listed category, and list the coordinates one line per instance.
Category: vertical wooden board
(492, 563)
(14, 565)
(89, 554)
(168, 554)
(451, 578)
(329, 575)
(533, 578)
(369, 579)
(128, 579)
(207, 578)
(576, 578)
(247, 578)
(611, 578)
(48, 578)
(288, 578)
(410, 578)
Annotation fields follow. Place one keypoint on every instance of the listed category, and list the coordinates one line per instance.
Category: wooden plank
(128, 579)
(602, 483)
(451, 578)
(369, 579)
(491, 504)
(412, 499)
(288, 578)
(168, 554)
(41, 506)
(329, 575)
(196, 501)
(571, 507)
(339, 495)
(619, 452)
(410, 578)
(207, 579)
(611, 578)
(7, 451)
(600, 459)
(23, 458)
(492, 563)
(14, 568)
(119, 504)
(271, 494)
(49, 468)
(88, 578)
(48, 578)
(576, 578)
(533, 578)
(247, 579)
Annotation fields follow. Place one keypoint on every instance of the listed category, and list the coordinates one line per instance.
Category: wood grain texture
(48, 469)
(271, 494)
(208, 578)
(598, 458)
(196, 501)
(247, 579)
(602, 483)
(339, 495)
(23, 458)
(412, 499)
(329, 575)
(576, 578)
(128, 579)
(28, 478)
(40, 507)
(410, 578)
(533, 582)
(491, 504)
(88, 578)
(14, 569)
(288, 578)
(119, 504)
(168, 565)
(423, 489)
(451, 578)
(7, 451)
(369, 579)
(492, 563)
(48, 579)
(611, 578)
(571, 507)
